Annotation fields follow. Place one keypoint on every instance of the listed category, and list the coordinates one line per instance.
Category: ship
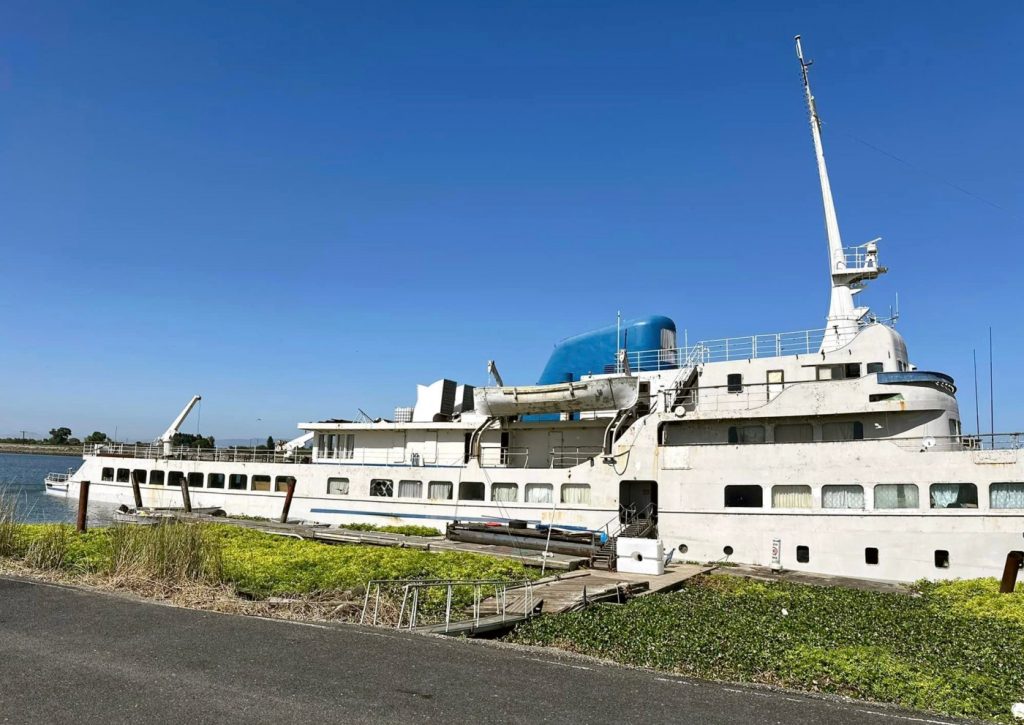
(826, 450)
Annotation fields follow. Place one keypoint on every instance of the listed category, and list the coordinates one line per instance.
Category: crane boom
(168, 435)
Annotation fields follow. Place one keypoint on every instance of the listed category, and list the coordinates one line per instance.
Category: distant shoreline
(39, 449)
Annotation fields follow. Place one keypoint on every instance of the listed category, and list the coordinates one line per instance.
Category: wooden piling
(186, 500)
(1010, 569)
(288, 500)
(83, 506)
(136, 490)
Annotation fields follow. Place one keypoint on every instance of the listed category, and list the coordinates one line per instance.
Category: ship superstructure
(823, 450)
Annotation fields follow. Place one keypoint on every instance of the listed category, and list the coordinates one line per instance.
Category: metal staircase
(634, 525)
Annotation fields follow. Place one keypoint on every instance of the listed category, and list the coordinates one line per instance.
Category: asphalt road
(71, 655)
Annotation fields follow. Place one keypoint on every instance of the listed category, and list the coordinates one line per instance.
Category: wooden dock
(565, 593)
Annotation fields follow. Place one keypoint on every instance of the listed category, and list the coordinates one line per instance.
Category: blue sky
(301, 209)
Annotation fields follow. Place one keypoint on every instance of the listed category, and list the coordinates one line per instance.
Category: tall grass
(50, 548)
(10, 529)
(168, 552)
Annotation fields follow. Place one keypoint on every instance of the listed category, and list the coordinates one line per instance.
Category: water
(21, 477)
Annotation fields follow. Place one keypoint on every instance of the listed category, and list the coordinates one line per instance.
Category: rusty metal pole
(288, 500)
(1010, 569)
(136, 490)
(185, 498)
(83, 505)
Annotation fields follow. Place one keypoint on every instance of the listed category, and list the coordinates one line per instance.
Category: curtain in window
(752, 434)
(944, 495)
(837, 431)
(504, 492)
(439, 490)
(410, 489)
(896, 496)
(337, 486)
(576, 493)
(842, 497)
(538, 493)
(794, 433)
(1006, 496)
(791, 497)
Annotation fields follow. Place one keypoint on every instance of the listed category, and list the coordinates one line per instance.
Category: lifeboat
(611, 393)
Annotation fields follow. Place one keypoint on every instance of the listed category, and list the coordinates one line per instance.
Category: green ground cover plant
(407, 529)
(255, 564)
(955, 648)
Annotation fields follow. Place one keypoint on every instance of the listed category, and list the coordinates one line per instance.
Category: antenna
(991, 397)
(977, 406)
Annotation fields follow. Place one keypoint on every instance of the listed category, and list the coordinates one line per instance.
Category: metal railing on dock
(414, 593)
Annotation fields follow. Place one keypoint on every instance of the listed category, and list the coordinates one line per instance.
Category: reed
(10, 530)
(167, 552)
(50, 547)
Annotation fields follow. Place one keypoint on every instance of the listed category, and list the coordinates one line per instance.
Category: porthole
(683, 548)
(727, 551)
(941, 559)
(871, 555)
(803, 554)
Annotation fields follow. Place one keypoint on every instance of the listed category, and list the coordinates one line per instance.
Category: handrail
(411, 589)
(777, 344)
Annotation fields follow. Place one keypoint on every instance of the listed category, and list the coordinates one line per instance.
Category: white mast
(848, 268)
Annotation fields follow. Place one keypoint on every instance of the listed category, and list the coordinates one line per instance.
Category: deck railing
(778, 344)
(569, 456)
(183, 453)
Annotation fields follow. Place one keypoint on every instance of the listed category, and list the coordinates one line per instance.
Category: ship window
(1006, 496)
(410, 489)
(875, 367)
(734, 383)
(175, 478)
(337, 486)
(123, 475)
(156, 478)
(871, 555)
(238, 481)
(439, 490)
(794, 433)
(849, 430)
(941, 559)
(852, 370)
(954, 427)
(896, 496)
(791, 497)
(746, 434)
(744, 497)
(504, 492)
(826, 372)
(539, 493)
(382, 487)
(471, 491)
(842, 497)
(140, 475)
(215, 480)
(260, 483)
(803, 554)
(107, 474)
(195, 480)
(467, 439)
(577, 493)
(901, 366)
(954, 496)
(281, 482)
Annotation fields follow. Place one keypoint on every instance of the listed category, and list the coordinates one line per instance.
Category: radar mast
(849, 267)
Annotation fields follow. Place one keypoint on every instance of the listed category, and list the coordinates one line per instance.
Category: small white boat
(611, 393)
(57, 483)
